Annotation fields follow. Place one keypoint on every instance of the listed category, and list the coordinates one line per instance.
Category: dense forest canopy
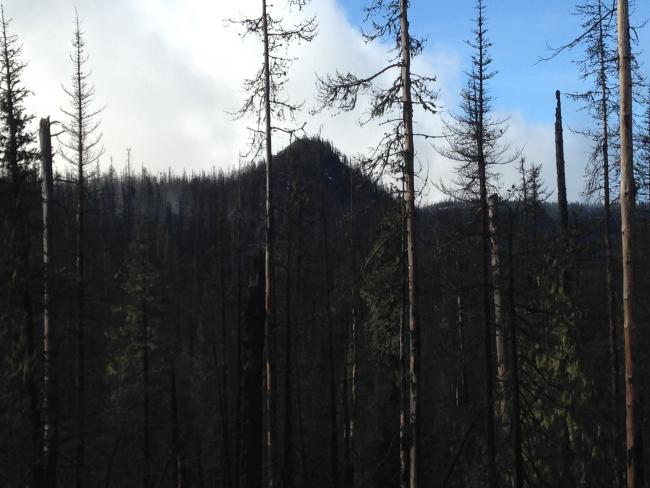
(310, 318)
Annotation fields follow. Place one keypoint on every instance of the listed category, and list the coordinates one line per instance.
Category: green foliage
(139, 330)
(381, 289)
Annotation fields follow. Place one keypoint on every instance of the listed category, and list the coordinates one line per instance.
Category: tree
(50, 390)
(644, 151)
(266, 104)
(632, 394)
(17, 155)
(597, 67)
(81, 149)
(560, 166)
(474, 140)
(395, 153)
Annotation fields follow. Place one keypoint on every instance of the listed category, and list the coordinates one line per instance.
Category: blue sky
(520, 31)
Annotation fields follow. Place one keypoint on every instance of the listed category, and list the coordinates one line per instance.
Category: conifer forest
(305, 318)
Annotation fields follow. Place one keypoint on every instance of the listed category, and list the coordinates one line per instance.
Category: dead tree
(50, 395)
(474, 140)
(395, 153)
(515, 412)
(266, 104)
(81, 148)
(632, 376)
(560, 165)
(497, 302)
(250, 472)
(598, 66)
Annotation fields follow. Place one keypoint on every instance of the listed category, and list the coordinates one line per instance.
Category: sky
(169, 73)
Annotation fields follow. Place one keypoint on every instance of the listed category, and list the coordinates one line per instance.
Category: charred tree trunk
(635, 475)
(609, 255)
(560, 166)
(239, 334)
(497, 300)
(252, 380)
(409, 200)
(81, 321)
(462, 390)
(50, 396)
(350, 363)
(403, 394)
(268, 258)
(485, 251)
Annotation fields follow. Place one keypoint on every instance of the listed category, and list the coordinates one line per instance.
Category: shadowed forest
(309, 319)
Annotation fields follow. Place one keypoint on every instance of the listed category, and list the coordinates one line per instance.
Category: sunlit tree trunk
(635, 478)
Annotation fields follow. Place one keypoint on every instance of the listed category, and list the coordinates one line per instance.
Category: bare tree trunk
(268, 259)
(81, 317)
(609, 257)
(485, 250)
(50, 397)
(560, 166)
(632, 372)
(404, 388)
(239, 334)
(502, 364)
(409, 198)
(462, 393)
(350, 391)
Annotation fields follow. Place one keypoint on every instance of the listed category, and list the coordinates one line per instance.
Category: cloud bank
(170, 72)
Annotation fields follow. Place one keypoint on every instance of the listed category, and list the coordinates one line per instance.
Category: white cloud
(169, 71)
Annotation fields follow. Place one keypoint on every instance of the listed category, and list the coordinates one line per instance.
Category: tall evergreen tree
(475, 140)
(81, 148)
(17, 155)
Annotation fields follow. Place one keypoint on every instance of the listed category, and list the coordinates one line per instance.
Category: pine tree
(17, 155)
(474, 139)
(395, 153)
(81, 148)
(266, 103)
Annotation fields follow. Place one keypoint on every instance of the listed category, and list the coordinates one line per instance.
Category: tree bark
(485, 250)
(50, 397)
(268, 259)
(609, 255)
(560, 166)
(502, 364)
(404, 385)
(409, 200)
(632, 372)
